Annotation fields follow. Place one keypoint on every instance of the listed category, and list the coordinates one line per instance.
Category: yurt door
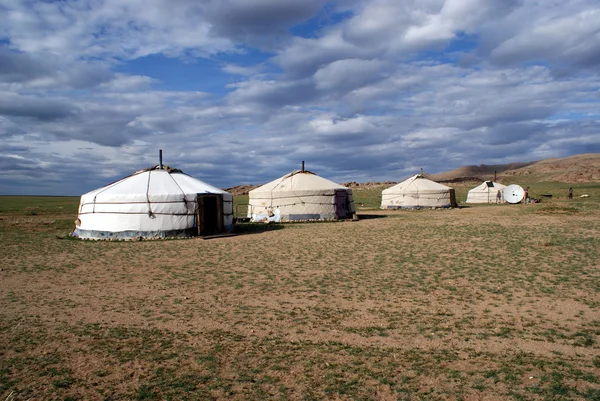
(341, 204)
(209, 214)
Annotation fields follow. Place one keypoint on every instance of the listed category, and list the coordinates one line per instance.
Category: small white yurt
(300, 196)
(487, 192)
(418, 192)
(158, 202)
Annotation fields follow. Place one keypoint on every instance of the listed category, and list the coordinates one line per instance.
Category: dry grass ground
(478, 303)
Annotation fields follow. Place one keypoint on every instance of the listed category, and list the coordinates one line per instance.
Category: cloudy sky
(241, 91)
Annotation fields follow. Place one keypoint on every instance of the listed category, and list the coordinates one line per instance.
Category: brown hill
(241, 189)
(476, 173)
(578, 168)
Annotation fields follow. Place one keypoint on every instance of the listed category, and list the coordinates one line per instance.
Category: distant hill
(578, 168)
(477, 173)
(241, 189)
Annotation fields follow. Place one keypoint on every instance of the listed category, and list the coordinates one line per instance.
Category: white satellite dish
(514, 193)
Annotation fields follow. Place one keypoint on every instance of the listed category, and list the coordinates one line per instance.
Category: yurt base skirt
(132, 235)
(135, 235)
(289, 218)
(390, 207)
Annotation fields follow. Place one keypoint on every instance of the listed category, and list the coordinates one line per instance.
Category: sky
(242, 91)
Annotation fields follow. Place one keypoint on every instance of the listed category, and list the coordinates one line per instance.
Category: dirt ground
(478, 303)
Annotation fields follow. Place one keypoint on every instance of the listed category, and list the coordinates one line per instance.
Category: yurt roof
(417, 183)
(298, 180)
(486, 185)
(155, 181)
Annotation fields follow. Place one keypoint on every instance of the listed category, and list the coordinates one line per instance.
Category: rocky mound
(368, 185)
(241, 189)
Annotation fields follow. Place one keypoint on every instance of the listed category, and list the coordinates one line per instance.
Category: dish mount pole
(160, 165)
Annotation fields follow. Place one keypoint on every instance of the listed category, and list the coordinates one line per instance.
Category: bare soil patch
(481, 303)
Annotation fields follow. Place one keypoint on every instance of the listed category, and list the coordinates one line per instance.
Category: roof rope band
(182, 192)
(150, 214)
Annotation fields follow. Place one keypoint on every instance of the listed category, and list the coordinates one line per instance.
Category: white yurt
(486, 192)
(158, 202)
(418, 192)
(300, 196)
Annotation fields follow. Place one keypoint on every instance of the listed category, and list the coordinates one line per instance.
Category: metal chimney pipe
(160, 165)
(302, 165)
(494, 175)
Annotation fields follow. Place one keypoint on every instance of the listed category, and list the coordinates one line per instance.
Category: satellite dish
(514, 193)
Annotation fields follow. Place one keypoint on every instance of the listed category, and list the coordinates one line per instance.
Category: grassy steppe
(486, 302)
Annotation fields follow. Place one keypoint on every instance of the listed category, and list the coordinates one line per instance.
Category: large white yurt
(300, 196)
(486, 192)
(418, 192)
(158, 202)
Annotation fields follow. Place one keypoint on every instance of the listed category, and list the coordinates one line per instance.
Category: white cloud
(304, 56)
(567, 40)
(349, 74)
(48, 71)
(125, 83)
(112, 28)
(241, 70)
(372, 94)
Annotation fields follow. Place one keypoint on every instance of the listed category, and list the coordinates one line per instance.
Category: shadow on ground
(256, 228)
(371, 216)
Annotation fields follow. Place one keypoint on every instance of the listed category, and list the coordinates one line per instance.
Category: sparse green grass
(38, 205)
(492, 301)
